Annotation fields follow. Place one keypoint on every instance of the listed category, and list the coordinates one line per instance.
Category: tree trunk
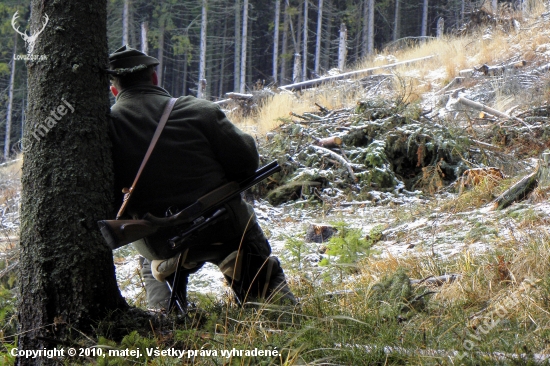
(276, 40)
(221, 84)
(440, 27)
(296, 74)
(319, 37)
(144, 31)
(237, 68)
(160, 57)
(285, 44)
(125, 22)
(242, 86)
(66, 271)
(396, 20)
(7, 141)
(370, 47)
(342, 48)
(424, 31)
(494, 6)
(304, 42)
(202, 57)
(364, 30)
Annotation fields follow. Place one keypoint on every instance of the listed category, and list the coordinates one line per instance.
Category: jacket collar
(141, 89)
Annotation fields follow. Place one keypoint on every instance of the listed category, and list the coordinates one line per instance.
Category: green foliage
(394, 295)
(349, 245)
(296, 247)
(182, 45)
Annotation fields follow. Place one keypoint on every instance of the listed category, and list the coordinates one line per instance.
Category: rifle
(206, 211)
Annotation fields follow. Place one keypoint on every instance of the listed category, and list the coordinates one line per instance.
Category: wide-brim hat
(127, 60)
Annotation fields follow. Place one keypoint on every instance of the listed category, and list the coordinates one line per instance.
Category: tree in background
(67, 278)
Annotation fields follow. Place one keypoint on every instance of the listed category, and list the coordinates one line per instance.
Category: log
(329, 142)
(499, 70)
(317, 82)
(518, 191)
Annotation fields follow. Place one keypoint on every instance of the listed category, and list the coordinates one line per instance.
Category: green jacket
(198, 150)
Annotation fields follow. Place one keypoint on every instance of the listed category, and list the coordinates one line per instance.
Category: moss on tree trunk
(67, 275)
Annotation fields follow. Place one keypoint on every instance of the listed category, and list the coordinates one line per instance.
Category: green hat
(127, 60)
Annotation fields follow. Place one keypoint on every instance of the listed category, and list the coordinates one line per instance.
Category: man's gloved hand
(162, 268)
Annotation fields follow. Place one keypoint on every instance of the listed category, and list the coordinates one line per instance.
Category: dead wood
(319, 233)
(518, 191)
(339, 158)
(494, 112)
(329, 142)
(499, 70)
(437, 280)
(346, 75)
(239, 96)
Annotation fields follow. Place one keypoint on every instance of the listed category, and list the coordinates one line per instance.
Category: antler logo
(30, 40)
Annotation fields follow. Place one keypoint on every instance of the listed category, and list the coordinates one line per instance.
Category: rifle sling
(158, 131)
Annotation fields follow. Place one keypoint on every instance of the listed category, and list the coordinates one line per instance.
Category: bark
(237, 68)
(276, 40)
(144, 31)
(396, 20)
(9, 112)
(242, 86)
(304, 44)
(125, 22)
(342, 47)
(494, 6)
(424, 30)
(202, 57)
(319, 37)
(66, 271)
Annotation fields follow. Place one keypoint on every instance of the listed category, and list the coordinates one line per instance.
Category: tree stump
(319, 233)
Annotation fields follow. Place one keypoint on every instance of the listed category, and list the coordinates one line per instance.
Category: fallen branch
(316, 82)
(339, 158)
(437, 280)
(239, 96)
(484, 108)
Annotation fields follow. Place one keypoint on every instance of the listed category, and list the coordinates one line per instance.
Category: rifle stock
(118, 233)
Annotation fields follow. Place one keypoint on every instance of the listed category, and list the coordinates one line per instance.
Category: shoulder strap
(158, 131)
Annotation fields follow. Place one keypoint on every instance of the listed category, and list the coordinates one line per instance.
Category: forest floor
(421, 269)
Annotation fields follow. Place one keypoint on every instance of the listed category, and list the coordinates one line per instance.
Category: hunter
(198, 151)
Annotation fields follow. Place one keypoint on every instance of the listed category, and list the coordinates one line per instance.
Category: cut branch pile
(378, 152)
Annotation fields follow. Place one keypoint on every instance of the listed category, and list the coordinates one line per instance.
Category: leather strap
(158, 131)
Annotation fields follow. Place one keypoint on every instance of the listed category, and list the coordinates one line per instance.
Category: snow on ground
(415, 228)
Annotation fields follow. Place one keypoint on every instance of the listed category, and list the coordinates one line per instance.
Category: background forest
(236, 46)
